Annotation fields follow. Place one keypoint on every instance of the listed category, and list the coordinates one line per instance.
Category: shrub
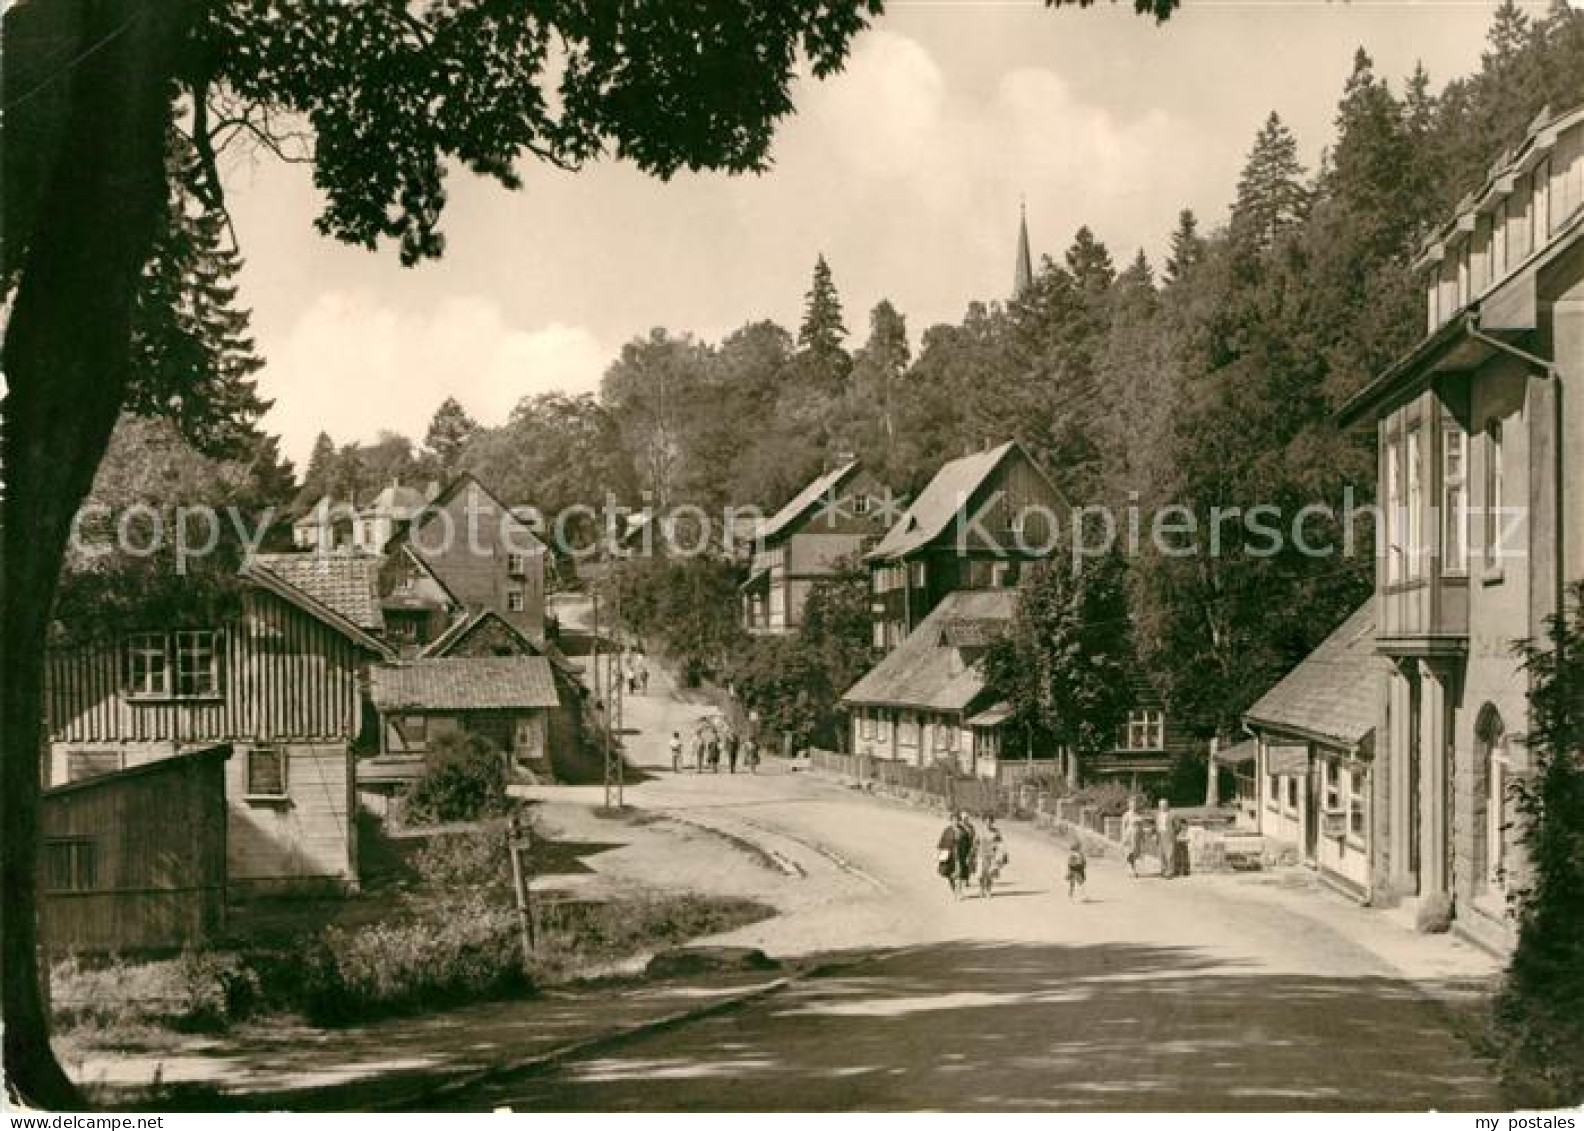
(471, 860)
(200, 991)
(462, 950)
(1108, 798)
(1539, 1013)
(464, 780)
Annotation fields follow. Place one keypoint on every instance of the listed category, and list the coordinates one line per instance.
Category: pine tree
(1272, 198)
(1187, 247)
(824, 359)
(450, 429)
(878, 369)
(192, 359)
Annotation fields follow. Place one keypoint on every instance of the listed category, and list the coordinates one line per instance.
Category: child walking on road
(1077, 868)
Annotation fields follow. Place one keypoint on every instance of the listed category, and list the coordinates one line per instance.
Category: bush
(1108, 798)
(200, 991)
(465, 949)
(464, 780)
(1539, 1013)
(474, 859)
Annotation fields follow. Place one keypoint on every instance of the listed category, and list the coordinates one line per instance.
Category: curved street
(1206, 992)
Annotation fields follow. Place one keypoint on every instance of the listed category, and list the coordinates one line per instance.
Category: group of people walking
(1136, 828)
(967, 855)
(710, 747)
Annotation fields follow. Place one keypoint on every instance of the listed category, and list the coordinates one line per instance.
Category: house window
(148, 669)
(197, 663)
(919, 574)
(514, 600)
(879, 634)
(415, 732)
(908, 730)
(1415, 516)
(1394, 515)
(1331, 780)
(1493, 496)
(1541, 222)
(860, 504)
(1144, 730)
(266, 771)
(516, 564)
(404, 630)
(866, 725)
(945, 736)
(1454, 499)
(1000, 573)
(1357, 800)
(70, 864)
(1292, 794)
(1273, 789)
(1499, 241)
(183, 664)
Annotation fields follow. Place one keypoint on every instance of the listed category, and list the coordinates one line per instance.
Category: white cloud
(883, 112)
(351, 366)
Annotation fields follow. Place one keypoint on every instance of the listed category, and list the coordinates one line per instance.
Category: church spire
(1023, 270)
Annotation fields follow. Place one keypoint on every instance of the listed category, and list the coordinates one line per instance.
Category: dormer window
(861, 504)
(1454, 499)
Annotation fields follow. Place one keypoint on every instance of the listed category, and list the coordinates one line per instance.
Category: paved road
(1205, 992)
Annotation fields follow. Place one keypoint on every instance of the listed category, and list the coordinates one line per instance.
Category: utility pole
(618, 716)
(517, 843)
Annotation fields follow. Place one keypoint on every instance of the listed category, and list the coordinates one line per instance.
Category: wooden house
(478, 551)
(281, 681)
(974, 526)
(1315, 755)
(135, 860)
(916, 705)
(1480, 433)
(506, 699)
(833, 519)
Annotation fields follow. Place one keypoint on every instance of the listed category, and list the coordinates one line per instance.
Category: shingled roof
(927, 670)
(946, 494)
(464, 683)
(826, 484)
(1332, 695)
(347, 583)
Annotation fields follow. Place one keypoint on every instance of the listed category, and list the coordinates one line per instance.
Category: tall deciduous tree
(449, 431)
(1065, 665)
(393, 93)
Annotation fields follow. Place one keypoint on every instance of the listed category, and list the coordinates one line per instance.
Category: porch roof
(464, 683)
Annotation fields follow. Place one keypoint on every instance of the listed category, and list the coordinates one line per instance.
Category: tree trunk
(65, 357)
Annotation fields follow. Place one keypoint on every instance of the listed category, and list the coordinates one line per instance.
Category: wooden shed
(135, 860)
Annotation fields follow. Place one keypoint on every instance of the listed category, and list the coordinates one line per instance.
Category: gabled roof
(926, 670)
(804, 501)
(464, 683)
(1331, 696)
(175, 763)
(401, 535)
(347, 582)
(266, 578)
(397, 501)
(460, 629)
(932, 513)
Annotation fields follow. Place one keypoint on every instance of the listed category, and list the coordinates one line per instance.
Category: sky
(906, 171)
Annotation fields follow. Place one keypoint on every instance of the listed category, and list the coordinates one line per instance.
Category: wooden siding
(283, 676)
(307, 835)
(159, 846)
